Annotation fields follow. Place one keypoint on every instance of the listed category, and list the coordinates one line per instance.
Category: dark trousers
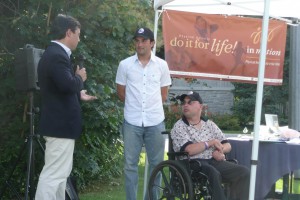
(237, 176)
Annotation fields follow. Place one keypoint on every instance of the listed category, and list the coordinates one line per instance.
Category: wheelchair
(175, 179)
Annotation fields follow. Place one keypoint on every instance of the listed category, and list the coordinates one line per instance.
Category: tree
(106, 38)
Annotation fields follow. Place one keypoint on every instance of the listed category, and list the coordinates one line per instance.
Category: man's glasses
(190, 102)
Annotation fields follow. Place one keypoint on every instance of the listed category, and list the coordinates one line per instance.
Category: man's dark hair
(61, 24)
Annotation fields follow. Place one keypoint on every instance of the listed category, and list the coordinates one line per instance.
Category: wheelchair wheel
(170, 181)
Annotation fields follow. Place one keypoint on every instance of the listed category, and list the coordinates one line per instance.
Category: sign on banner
(222, 47)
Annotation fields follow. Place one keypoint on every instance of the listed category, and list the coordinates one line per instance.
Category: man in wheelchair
(203, 140)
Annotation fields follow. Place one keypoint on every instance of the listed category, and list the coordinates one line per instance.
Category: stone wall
(217, 95)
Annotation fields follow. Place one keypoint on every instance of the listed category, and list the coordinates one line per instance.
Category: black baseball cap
(194, 96)
(145, 33)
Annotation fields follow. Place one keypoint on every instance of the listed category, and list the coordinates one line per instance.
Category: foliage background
(106, 39)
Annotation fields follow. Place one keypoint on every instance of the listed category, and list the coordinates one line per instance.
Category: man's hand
(216, 144)
(81, 73)
(86, 97)
(219, 156)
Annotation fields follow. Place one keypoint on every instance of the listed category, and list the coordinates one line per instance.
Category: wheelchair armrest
(233, 161)
(177, 154)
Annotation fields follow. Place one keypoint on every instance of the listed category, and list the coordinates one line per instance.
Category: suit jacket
(60, 95)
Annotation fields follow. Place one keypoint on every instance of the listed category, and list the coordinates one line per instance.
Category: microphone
(81, 59)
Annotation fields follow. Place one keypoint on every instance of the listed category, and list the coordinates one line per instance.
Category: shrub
(226, 122)
(172, 115)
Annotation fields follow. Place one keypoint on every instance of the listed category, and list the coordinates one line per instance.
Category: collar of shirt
(187, 122)
(67, 49)
(152, 58)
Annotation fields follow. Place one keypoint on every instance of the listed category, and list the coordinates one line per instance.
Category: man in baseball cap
(204, 141)
(143, 119)
(145, 33)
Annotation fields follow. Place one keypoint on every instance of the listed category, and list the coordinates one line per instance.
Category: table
(275, 159)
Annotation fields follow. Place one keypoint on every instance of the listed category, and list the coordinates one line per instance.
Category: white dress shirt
(67, 49)
(143, 101)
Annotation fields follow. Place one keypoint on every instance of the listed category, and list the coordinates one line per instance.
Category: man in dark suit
(61, 92)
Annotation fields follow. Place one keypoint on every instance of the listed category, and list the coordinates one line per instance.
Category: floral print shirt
(184, 134)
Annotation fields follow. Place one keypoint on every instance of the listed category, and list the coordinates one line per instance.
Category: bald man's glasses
(190, 102)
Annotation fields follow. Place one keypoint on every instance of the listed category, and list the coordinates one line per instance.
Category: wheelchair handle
(165, 132)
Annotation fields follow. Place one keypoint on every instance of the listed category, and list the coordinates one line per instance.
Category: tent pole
(155, 29)
(259, 96)
(294, 82)
(294, 73)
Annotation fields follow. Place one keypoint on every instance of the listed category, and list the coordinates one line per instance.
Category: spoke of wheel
(167, 184)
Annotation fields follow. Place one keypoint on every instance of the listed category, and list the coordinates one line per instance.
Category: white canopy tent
(278, 9)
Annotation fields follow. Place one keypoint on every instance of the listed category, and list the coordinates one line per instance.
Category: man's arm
(199, 147)
(164, 93)
(195, 148)
(121, 92)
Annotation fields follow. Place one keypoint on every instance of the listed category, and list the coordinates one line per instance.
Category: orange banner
(222, 47)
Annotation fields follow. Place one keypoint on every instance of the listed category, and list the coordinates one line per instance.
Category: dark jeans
(237, 176)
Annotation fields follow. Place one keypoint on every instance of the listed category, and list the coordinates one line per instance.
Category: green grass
(295, 186)
(115, 189)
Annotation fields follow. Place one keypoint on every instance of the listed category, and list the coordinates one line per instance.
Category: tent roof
(278, 8)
